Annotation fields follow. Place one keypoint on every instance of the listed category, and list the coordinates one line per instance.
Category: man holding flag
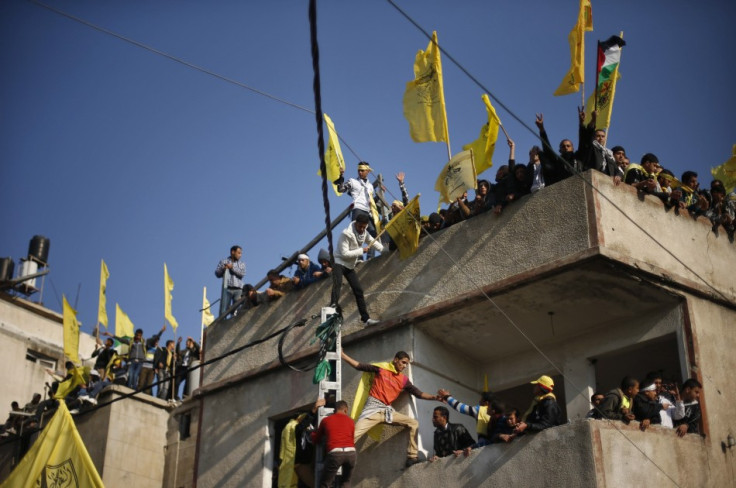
(361, 190)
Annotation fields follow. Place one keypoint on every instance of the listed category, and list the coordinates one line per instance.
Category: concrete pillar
(579, 386)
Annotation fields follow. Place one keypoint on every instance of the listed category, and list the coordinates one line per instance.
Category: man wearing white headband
(306, 272)
(647, 407)
(362, 192)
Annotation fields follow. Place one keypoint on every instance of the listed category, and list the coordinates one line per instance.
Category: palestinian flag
(609, 57)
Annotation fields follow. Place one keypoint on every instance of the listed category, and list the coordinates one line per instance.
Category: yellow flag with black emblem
(405, 228)
(576, 38)
(334, 161)
(168, 288)
(485, 145)
(727, 172)
(424, 98)
(456, 177)
(71, 332)
(123, 325)
(57, 458)
(102, 307)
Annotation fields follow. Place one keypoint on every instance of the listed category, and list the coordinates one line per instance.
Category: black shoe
(411, 462)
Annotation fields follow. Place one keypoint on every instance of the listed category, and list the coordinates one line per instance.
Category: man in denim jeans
(233, 269)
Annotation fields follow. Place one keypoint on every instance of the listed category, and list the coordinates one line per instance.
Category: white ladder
(327, 389)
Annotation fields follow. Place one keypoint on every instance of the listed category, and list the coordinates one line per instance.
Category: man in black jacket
(449, 438)
(544, 412)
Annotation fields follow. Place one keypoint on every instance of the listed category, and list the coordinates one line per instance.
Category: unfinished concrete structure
(126, 439)
(33, 341)
(562, 283)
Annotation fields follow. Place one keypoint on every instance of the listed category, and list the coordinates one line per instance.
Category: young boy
(617, 404)
(505, 428)
(687, 418)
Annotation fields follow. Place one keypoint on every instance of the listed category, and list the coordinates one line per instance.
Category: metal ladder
(329, 386)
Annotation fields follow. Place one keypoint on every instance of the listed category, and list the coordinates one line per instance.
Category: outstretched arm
(352, 362)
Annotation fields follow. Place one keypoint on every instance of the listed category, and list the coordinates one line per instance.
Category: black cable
(318, 117)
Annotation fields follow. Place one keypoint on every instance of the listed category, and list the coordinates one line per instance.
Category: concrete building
(33, 341)
(567, 282)
(125, 439)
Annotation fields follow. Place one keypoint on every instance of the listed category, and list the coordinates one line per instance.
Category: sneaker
(93, 401)
(411, 462)
(84, 398)
(370, 322)
(74, 411)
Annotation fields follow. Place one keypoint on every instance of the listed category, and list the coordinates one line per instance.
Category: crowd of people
(148, 367)
(656, 402)
(545, 168)
(512, 182)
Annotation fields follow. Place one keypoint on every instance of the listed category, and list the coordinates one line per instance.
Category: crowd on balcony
(545, 168)
(147, 367)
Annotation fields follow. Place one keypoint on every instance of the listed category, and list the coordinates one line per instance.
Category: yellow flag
(485, 145)
(606, 91)
(168, 287)
(333, 157)
(207, 317)
(456, 177)
(57, 458)
(727, 172)
(102, 309)
(576, 38)
(80, 376)
(405, 227)
(424, 98)
(71, 332)
(123, 325)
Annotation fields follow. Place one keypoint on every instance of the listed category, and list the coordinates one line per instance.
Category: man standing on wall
(379, 388)
(236, 272)
(349, 250)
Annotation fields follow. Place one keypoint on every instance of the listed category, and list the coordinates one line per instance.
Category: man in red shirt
(386, 384)
(338, 429)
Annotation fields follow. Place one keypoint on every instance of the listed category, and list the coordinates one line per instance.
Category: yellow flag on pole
(424, 98)
(168, 287)
(57, 458)
(71, 332)
(576, 38)
(605, 103)
(123, 325)
(727, 172)
(405, 228)
(333, 156)
(79, 376)
(485, 145)
(456, 177)
(102, 309)
(207, 316)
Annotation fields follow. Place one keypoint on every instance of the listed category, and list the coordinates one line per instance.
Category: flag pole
(201, 326)
(595, 98)
(582, 94)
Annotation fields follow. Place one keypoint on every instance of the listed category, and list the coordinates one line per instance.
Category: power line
(184, 63)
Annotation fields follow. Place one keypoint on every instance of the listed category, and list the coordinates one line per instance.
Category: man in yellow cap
(544, 412)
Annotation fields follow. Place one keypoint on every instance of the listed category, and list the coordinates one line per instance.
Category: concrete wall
(497, 245)
(697, 256)
(714, 363)
(241, 393)
(126, 439)
(25, 325)
(181, 453)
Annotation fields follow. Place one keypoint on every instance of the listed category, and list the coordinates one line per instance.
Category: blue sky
(117, 153)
